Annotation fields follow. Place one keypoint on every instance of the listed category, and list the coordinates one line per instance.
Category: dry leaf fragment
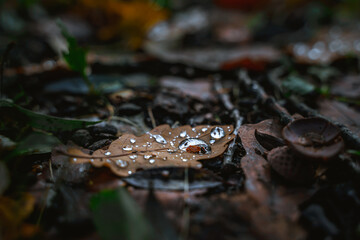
(162, 146)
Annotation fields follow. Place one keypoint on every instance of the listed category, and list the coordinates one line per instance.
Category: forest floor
(216, 124)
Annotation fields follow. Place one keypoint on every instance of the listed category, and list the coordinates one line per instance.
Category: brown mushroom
(314, 138)
(283, 161)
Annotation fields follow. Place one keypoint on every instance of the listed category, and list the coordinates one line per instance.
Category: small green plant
(75, 57)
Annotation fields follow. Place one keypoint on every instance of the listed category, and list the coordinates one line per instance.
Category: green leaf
(76, 55)
(354, 152)
(117, 216)
(4, 178)
(35, 143)
(296, 85)
(15, 113)
(324, 74)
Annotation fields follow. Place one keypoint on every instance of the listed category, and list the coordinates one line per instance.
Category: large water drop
(160, 139)
(194, 142)
(217, 133)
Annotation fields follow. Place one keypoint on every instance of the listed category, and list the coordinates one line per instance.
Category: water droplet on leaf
(217, 133)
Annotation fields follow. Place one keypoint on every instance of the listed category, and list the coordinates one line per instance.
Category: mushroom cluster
(308, 141)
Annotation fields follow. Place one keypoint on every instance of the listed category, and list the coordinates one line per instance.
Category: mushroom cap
(315, 138)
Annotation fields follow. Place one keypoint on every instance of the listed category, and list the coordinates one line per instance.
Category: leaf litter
(162, 146)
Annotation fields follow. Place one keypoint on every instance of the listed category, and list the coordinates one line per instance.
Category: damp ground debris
(179, 119)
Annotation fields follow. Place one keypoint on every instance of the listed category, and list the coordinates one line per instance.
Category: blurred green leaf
(163, 229)
(354, 152)
(296, 85)
(324, 74)
(4, 178)
(117, 216)
(10, 111)
(35, 143)
(76, 55)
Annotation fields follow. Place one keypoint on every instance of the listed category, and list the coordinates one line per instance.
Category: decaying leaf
(162, 146)
(278, 203)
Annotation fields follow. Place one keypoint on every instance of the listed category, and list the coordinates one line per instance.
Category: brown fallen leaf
(162, 146)
(348, 87)
(278, 202)
(340, 112)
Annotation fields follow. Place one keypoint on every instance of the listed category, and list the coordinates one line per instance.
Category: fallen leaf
(13, 213)
(162, 146)
(200, 89)
(128, 19)
(342, 113)
(215, 58)
(276, 204)
(35, 143)
(14, 113)
(348, 87)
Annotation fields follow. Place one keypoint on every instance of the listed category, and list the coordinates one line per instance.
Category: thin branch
(225, 98)
(268, 101)
(151, 115)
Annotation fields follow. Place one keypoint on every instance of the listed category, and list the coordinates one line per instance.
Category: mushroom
(314, 138)
(283, 161)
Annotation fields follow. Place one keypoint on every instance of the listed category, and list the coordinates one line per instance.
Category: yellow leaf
(13, 213)
(128, 19)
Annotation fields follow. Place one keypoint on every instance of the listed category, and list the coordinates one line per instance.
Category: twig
(225, 98)
(2, 66)
(151, 115)
(51, 170)
(268, 101)
(351, 139)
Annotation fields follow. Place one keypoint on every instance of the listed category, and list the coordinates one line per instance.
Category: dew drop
(129, 172)
(217, 133)
(165, 173)
(183, 134)
(169, 133)
(205, 148)
(164, 158)
(184, 160)
(147, 156)
(121, 163)
(74, 159)
(132, 140)
(108, 153)
(160, 139)
(127, 148)
(92, 160)
(204, 129)
(132, 157)
(212, 141)
(194, 130)
(152, 161)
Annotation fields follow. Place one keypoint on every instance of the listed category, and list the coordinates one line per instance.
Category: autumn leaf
(128, 19)
(162, 146)
(12, 216)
